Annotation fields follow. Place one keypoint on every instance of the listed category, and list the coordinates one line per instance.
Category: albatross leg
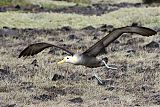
(98, 78)
(108, 66)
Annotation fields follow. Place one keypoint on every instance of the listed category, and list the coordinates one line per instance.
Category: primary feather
(95, 49)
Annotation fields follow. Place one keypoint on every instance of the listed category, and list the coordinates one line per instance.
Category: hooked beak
(61, 62)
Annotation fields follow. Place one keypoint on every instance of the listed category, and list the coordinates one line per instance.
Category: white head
(69, 59)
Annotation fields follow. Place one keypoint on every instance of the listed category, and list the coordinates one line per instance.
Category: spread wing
(105, 41)
(38, 47)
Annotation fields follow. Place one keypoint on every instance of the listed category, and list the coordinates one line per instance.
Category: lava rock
(27, 85)
(45, 97)
(136, 24)
(72, 37)
(146, 88)
(74, 91)
(111, 88)
(89, 28)
(57, 77)
(106, 28)
(152, 44)
(56, 90)
(35, 63)
(8, 32)
(131, 51)
(10, 105)
(76, 100)
(156, 99)
(4, 73)
(17, 7)
(66, 28)
(94, 38)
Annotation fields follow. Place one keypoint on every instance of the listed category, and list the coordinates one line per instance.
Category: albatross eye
(67, 58)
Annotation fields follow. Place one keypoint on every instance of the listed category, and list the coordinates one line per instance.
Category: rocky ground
(39, 81)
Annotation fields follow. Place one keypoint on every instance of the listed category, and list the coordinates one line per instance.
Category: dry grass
(127, 82)
(132, 75)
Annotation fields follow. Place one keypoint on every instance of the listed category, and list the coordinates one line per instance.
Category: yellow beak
(61, 62)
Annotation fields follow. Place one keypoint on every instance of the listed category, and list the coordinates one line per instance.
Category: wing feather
(95, 49)
(38, 47)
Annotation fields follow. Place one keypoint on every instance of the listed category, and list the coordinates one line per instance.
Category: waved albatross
(88, 58)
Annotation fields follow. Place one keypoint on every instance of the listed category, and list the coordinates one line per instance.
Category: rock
(152, 44)
(89, 28)
(146, 88)
(66, 28)
(57, 77)
(5, 89)
(94, 38)
(136, 24)
(35, 63)
(72, 37)
(74, 91)
(45, 97)
(110, 88)
(156, 99)
(130, 52)
(76, 100)
(18, 7)
(106, 28)
(10, 105)
(8, 32)
(28, 86)
(4, 73)
(116, 42)
(74, 76)
(56, 90)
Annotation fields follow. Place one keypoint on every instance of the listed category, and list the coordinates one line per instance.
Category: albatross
(89, 58)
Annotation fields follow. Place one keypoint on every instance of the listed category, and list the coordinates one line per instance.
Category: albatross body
(85, 60)
(89, 57)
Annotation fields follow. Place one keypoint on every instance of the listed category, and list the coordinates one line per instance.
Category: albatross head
(69, 59)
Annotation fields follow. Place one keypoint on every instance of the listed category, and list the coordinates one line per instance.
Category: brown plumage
(38, 47)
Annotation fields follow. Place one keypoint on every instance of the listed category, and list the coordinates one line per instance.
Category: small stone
(18, 7)
(106, 28)
(35, 63)
(57, 77)
(152, 44)
(56, 90)
(45, 97)
(72, 37)
(89, 28)
(66, 28)
(10, 105)
(76, 100)
(111, 88)
(4, 73)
